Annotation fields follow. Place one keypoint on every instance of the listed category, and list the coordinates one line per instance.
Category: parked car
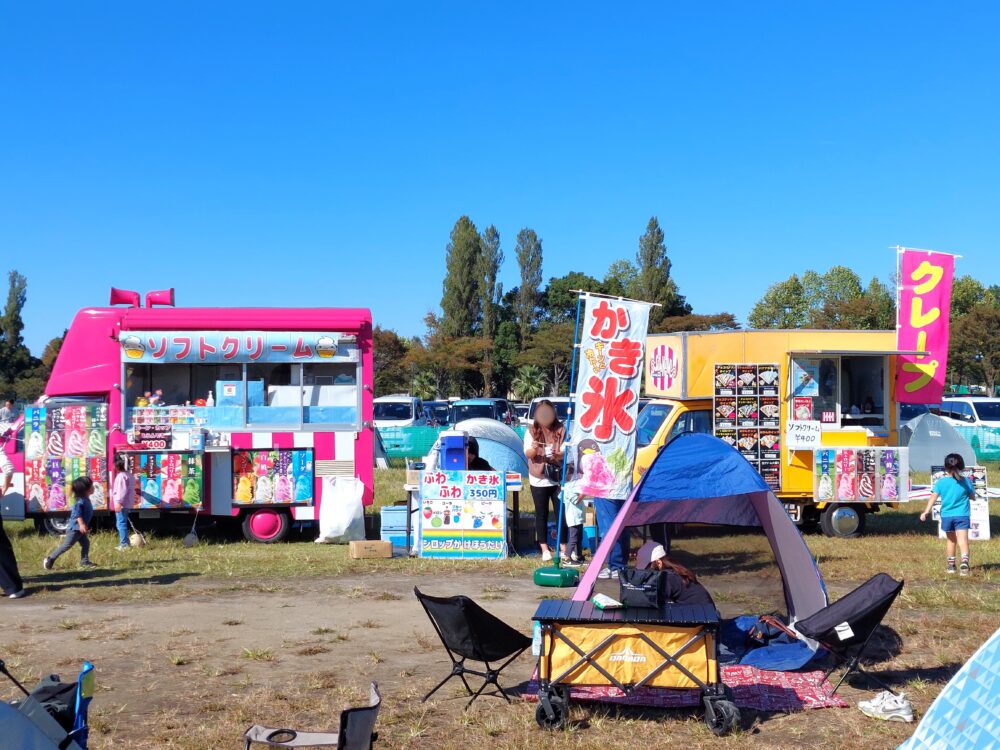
(437, 413)
(398, 410)
(477, 408)
(560, 402)
(977, 411)
(520, 412)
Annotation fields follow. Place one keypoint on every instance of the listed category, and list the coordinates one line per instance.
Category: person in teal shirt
(956, 494)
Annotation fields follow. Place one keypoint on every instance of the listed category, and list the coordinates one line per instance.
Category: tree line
(486, 341)
(22, 376)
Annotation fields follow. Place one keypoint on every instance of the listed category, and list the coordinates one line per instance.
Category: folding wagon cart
(674, 646)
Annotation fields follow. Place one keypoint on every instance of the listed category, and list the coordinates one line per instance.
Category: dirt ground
(193, 669)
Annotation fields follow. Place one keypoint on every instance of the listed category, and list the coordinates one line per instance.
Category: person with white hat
(682, 585)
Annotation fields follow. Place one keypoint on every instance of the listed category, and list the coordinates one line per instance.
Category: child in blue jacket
(78, 529)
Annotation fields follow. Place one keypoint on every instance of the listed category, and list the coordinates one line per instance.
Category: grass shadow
(163, 579)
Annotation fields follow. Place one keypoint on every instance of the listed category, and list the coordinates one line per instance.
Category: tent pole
(567, 428)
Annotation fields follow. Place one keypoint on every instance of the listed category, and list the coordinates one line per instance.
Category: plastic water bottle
(210, 401)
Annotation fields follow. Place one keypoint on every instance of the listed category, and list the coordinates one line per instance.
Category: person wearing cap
(472, 460)
(682, 585)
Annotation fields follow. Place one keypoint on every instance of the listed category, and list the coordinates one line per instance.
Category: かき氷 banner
(922, 325)
(606, 401)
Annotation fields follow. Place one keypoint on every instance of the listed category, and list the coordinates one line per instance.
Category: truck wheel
(843, 520)
(52, 525)
(810, 520)
(266, 525)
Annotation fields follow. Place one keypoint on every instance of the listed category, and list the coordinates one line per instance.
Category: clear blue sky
(315, 154)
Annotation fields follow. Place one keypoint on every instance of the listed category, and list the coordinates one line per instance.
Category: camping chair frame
(853, 665)
(491, 676)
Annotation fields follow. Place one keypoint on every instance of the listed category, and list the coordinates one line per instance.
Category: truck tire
(52, 525)
(266, 525)
(843, 520)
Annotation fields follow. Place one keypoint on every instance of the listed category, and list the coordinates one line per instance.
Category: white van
(974, 411)
(399, 410)
(560, 402)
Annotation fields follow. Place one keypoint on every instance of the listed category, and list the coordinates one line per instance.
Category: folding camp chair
(847, 625)
(470, 632)
(355, 732)
(58, 710)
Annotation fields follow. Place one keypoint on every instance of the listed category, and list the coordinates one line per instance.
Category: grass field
(192, 645)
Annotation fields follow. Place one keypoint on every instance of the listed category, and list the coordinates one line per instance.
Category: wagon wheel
(559, 712)
(723, 719)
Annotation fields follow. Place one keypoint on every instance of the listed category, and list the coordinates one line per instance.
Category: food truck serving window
(840, 391)
(275, 381)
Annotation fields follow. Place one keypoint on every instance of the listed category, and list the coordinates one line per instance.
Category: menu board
(165, 480)
(866, 475)
(60, 444)
(979, 520)
(746, 414)
(463, 514)
(273, 477)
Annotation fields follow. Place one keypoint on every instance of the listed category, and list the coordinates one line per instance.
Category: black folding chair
(355, 732)
(470, 632)
(845, 627)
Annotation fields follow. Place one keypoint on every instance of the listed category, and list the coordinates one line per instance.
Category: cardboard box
(370, 548)
(413, 477)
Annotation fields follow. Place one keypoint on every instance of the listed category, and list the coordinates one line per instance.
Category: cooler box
(590, 538)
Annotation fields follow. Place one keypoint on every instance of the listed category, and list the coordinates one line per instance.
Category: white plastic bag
(341, 514)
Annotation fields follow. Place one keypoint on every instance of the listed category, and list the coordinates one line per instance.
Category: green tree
(528, 383)
(505, 351)
(460, 302)
(529, 261)
(551, 347)
(425, 386)
(782, 306)
(966, 293)
(490, 295)
(620, 279)
(653, 282)
(559, 299)
(15, 359)
(976, 346)
(389, 360)
(694, 322)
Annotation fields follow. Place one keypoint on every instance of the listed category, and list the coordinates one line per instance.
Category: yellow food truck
(813, 411)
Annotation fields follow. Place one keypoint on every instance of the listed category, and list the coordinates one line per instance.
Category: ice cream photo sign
(463, 514)
(166, 480)
(273, 477)
(865, 475)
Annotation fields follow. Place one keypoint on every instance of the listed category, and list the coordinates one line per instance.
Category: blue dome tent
(697, 478)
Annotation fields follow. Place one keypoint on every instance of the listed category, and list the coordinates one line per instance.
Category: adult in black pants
(10, 579)
(543, 447)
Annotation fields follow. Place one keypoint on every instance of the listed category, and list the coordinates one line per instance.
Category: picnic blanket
(757, 689)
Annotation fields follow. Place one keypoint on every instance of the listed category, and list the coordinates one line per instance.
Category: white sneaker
(604, 574)
(888, 707)
(546, 556)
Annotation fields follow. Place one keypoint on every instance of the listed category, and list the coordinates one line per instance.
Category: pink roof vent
(164, 297)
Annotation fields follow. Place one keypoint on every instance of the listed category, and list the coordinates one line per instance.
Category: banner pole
(569, 422)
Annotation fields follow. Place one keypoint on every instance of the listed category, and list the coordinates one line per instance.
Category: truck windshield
(649, 423)
(472, 411)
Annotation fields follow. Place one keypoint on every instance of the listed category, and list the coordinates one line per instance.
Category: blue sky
(319, 153)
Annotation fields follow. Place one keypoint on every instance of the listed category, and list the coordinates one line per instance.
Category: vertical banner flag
(922, 325)
(606, 404)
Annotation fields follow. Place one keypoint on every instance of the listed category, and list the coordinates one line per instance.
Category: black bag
(552, 472)
(58, 698)
(642, 588)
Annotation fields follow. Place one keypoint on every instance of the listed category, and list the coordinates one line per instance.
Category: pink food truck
(236, 413)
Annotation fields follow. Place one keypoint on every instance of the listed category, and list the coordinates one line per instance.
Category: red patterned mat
(752, 688)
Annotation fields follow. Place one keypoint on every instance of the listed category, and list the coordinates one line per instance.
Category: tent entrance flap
(698, 478)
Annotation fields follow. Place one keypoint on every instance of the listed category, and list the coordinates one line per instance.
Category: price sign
(803, 435)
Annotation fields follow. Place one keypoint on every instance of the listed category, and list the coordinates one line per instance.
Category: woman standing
(543, 446)
(10, 579)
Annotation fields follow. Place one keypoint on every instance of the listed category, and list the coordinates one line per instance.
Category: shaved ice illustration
(172, 492)
(244, 490)
(282, 489)
(55, 445)
(303, 489)
(151, 492)
(95, 443)
(76, 444)
(264, 493)
(192, 495)
(597, 479)
(57, 498)
(825, 487)
(889, 487)
(35, 449)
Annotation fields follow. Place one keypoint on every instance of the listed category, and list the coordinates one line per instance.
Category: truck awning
(856, 352)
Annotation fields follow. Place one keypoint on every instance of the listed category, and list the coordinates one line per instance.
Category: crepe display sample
(746, 398)
(825, 470)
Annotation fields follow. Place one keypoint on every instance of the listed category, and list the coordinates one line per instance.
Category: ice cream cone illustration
(244, 490)
(326, 347)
